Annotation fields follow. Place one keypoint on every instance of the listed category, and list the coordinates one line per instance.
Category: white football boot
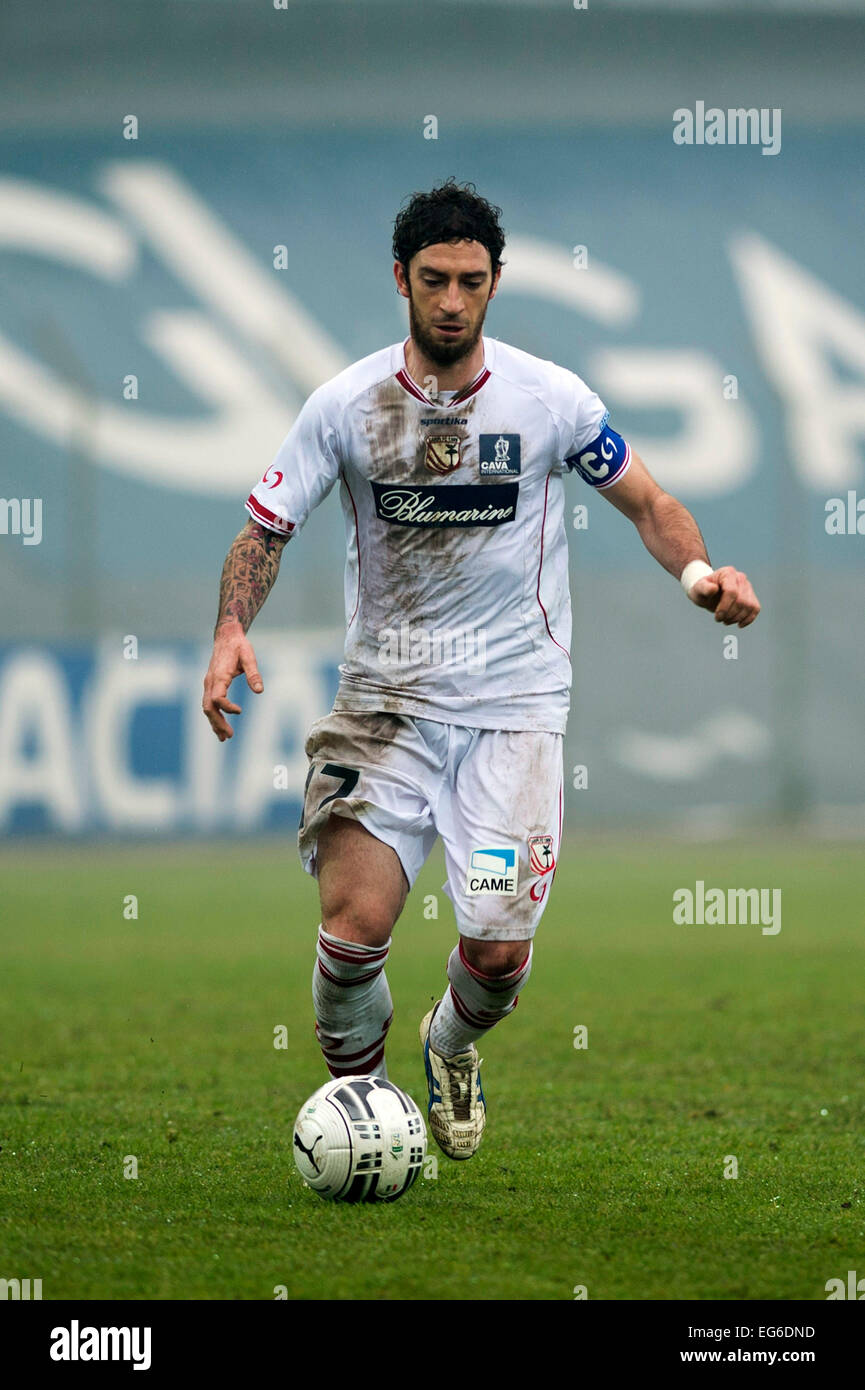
(457, 1109)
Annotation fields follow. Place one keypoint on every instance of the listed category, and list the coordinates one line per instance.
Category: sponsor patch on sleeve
(604, 461)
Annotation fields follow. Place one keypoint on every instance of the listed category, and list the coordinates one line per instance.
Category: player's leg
(501, 832)
(484, 985)
(361, 883)
(365, 832)
(474, 1002)
(362, 888)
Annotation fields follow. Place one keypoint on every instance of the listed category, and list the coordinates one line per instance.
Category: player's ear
(495, 283)
(401, 277)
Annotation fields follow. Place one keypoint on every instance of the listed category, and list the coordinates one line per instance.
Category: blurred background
(196, 204)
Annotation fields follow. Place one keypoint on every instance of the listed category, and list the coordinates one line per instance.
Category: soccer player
(450, 450)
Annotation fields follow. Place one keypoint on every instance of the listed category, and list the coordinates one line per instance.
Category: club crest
(442, 452)
(541, 857)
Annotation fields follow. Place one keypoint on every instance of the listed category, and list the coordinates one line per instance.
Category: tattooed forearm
(250, 568)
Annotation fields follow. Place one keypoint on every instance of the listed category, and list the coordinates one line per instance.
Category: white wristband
(697, 569)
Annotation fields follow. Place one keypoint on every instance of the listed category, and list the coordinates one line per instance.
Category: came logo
(492, 871)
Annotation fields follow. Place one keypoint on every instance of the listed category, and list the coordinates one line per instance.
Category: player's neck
(452, 378)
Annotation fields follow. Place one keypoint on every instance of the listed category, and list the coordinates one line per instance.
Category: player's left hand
(728, 594)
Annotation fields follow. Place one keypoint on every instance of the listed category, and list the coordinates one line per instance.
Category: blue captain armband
(604, 461)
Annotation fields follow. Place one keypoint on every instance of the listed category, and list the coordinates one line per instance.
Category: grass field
(601, 1167)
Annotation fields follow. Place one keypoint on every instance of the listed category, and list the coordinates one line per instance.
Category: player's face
(448, 290)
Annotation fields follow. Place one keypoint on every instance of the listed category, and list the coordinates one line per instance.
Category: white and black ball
(359, 1139)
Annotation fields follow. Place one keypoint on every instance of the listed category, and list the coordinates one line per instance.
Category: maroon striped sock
(352, 1003)
(474, 1002)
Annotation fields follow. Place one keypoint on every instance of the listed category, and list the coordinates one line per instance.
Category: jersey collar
(408, 384)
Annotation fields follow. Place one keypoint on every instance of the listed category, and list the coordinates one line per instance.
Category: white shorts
(494, 796)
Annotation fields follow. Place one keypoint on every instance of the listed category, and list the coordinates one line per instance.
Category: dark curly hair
(451, 212)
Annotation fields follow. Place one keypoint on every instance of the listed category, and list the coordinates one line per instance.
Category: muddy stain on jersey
(416, 572)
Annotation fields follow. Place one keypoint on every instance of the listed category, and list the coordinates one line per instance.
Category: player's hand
(728, 594)
(232, 656)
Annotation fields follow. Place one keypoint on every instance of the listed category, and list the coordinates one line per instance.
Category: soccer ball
(359, 1139)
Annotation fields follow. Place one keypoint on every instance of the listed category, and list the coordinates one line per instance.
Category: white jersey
(456, 579)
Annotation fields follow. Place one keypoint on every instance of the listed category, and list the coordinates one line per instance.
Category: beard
(443, 354)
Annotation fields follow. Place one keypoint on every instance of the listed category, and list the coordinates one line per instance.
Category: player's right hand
(232, 656)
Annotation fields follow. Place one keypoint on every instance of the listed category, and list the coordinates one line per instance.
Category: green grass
(602, 1167)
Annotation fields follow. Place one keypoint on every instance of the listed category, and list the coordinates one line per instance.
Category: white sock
(474, 1002)
(352, 1003)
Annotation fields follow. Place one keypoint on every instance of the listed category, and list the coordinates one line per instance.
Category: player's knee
(368, 923)
(495, 957)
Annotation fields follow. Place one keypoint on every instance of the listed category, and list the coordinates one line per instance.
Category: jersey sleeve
(303, 472)
(591, 447)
